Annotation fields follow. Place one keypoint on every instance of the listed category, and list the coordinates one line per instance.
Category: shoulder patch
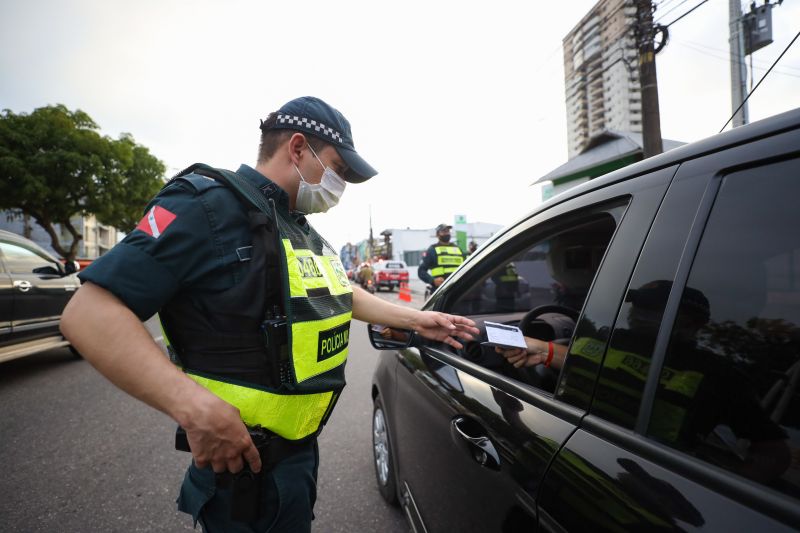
(200, 183)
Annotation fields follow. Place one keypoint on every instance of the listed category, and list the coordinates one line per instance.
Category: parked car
(674, 287)
(390, 274)
(34, 289)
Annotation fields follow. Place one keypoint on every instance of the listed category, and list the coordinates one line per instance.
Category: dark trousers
(288, 493)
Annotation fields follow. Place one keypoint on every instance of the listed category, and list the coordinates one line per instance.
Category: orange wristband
(549, 354)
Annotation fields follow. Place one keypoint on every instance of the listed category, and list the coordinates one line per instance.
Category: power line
(762, 79)
(671, 10)
(728, 58)
(679, 18)
(726, 54)
(664, 4)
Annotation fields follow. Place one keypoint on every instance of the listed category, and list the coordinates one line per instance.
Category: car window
(557, 269)
(538, 281)
(729, 390)
(21, 260)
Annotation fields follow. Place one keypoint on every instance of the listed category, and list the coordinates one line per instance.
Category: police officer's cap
(443, 227)
(312, 116)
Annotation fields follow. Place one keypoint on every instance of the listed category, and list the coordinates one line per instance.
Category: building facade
(601, 74)
(97, 238)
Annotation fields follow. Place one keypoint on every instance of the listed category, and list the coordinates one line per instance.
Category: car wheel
(384, 467)
(75, 353)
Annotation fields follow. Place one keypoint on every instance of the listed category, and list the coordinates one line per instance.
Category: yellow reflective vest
(308, 349)
(448, 258)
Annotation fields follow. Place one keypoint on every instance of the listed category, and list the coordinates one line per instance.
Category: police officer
(256, 308)
(441, 259)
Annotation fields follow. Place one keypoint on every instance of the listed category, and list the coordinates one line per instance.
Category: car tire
(382, 454)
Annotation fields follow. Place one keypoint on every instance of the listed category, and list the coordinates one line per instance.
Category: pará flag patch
(155, 222)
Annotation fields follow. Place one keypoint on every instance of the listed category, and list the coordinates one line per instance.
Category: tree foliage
(54, 164)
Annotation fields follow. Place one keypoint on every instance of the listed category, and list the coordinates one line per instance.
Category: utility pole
(651, 119)
(738, 67)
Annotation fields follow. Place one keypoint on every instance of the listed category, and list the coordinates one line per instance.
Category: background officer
(221, 255)
(441, 259)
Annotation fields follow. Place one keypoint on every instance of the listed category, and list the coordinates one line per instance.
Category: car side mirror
(70, 267)
(386, 338)
(47, 271)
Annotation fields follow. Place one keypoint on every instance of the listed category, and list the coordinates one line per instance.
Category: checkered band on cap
(310, 124)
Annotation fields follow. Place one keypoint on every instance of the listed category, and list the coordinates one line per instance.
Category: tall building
(601, 74)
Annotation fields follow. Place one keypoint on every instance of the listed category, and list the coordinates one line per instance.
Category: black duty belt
(271, 448)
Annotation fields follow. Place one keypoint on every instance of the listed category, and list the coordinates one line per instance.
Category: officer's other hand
(438, 281)
(218, 437)
(443, 327)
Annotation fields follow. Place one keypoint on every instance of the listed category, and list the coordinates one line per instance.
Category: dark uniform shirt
(194, 237)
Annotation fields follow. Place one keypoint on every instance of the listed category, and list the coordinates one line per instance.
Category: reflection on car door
(462, 428)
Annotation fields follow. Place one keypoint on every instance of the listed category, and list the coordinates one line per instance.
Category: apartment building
(601, 74)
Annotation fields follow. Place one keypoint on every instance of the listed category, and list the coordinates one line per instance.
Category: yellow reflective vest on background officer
(440, 260)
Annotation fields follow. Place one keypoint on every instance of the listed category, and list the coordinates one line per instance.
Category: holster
(246, 484)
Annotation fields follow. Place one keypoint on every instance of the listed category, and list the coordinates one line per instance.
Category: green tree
(54, 164)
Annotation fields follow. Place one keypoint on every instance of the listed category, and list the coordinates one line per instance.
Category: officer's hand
(443, 327)
(217, 436)
(438, 281)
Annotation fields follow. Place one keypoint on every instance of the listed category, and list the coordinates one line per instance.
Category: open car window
(539, 282)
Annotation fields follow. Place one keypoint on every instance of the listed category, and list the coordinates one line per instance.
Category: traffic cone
(404, 293)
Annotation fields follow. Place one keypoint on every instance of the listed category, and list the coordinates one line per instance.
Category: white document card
(504, 335)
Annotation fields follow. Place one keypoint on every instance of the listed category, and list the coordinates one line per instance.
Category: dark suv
(34, 289)
(673, 288)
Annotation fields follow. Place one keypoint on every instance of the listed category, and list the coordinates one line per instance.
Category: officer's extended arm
(115, 342)
(429, 324)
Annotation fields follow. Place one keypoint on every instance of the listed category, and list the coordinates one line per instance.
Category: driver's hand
(534, 354)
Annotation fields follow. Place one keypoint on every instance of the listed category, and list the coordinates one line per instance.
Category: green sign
(461, 219)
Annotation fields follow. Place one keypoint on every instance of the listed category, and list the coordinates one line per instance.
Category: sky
(458, 104)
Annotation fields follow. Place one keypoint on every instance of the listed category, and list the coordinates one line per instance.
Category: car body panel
(32, 300)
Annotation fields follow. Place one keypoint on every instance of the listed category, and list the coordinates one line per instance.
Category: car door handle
(482, 449)
(23, 285)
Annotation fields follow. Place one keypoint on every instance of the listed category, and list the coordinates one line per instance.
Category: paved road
(78, 455)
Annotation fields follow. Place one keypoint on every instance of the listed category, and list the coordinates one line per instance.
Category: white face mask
(319, 197)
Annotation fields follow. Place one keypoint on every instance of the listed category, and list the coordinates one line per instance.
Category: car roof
(19, 239)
